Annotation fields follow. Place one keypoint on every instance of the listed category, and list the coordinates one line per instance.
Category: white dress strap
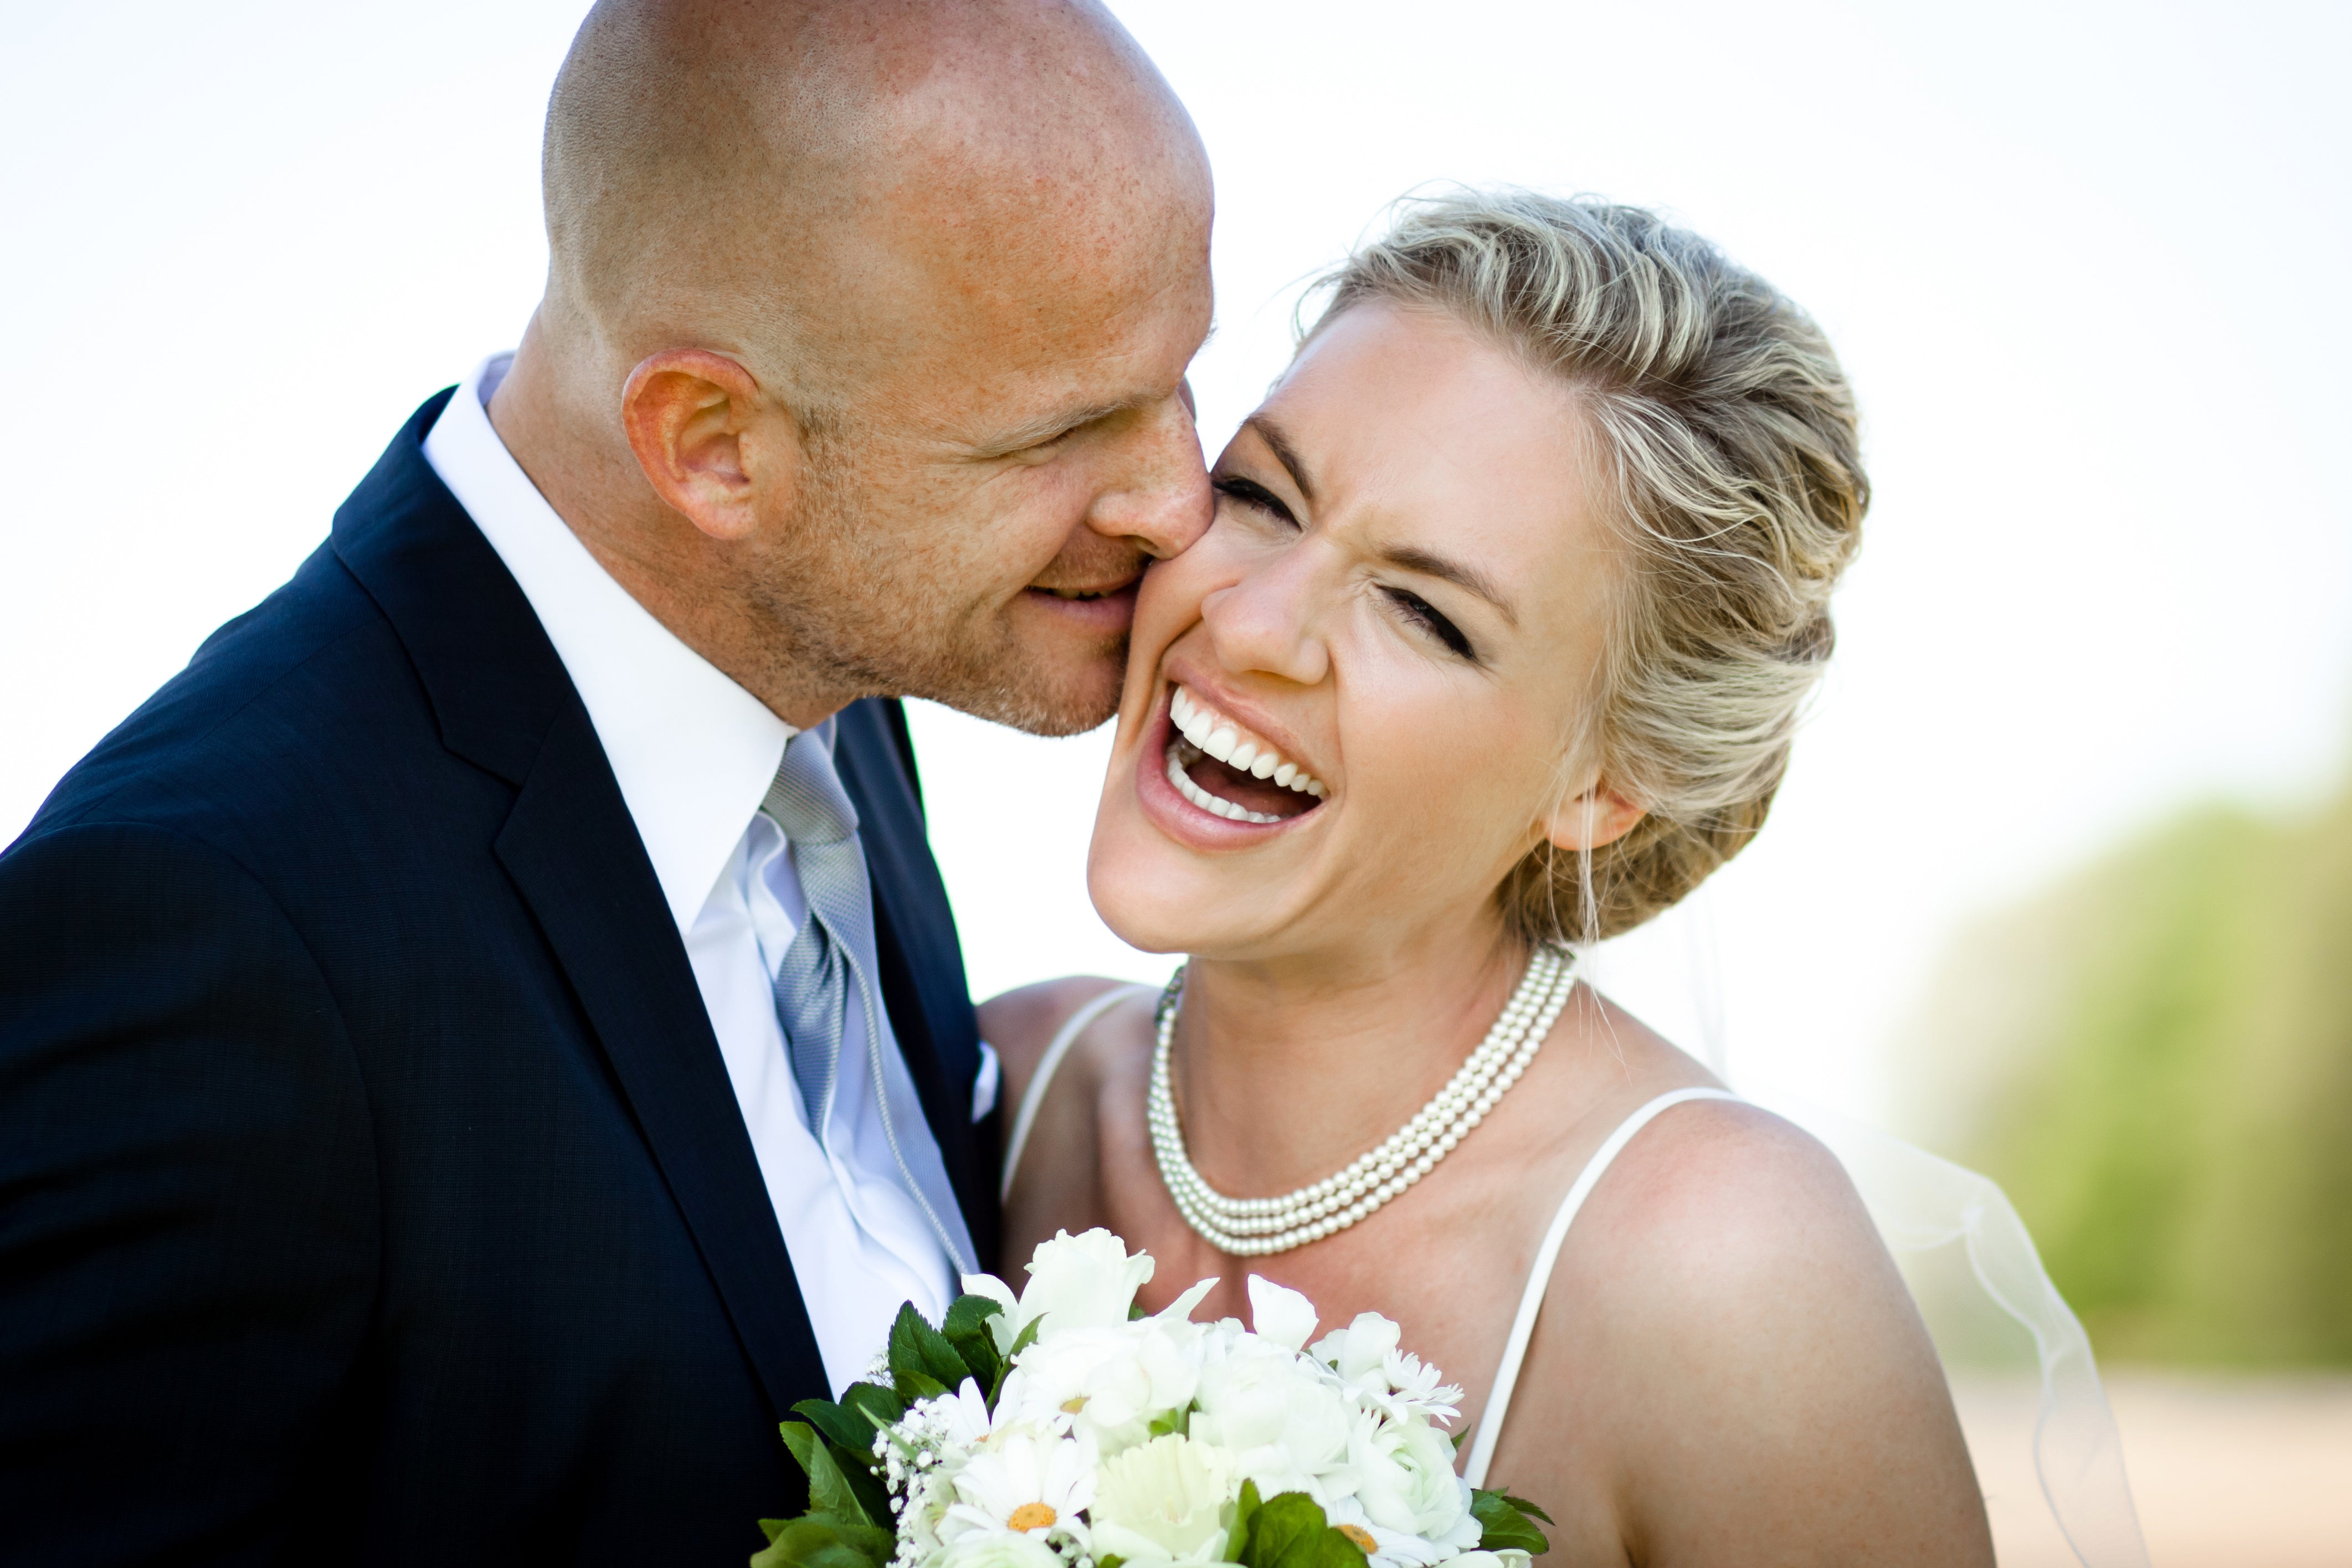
(1523, 1326)
(1033, 1096)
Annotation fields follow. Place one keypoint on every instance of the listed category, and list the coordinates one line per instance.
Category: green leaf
(1243, 1510)
(1113, 1560)
(1290, 1530)
(830, 1492)
(969, 1315)
(842, 1427)
(1503, 1523)
(916, 1347)
(880, 1406)
(857, 1469)
(1524, 1505)
(966, 1328)
(913, 1386)
(1028, 1337)
(812, 1543)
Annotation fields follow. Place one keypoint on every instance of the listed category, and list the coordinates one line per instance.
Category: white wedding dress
(1920, 1203)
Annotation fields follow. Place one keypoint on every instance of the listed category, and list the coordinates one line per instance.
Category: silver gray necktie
(834, 949)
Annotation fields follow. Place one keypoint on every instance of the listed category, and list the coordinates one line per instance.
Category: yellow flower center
(1072, 1406)
(1355, 1532)
(1037, 1516)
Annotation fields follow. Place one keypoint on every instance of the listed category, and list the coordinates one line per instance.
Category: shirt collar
(694, 752)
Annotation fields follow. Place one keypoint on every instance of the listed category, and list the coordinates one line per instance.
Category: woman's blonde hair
(1727, 444)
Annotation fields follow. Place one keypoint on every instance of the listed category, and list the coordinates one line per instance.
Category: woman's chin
(1159, 897)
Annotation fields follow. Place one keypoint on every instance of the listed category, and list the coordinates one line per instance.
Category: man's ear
(1599, 816)
(710, 440)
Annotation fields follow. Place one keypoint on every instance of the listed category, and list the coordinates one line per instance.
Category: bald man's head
(861, 359)
(797, 181)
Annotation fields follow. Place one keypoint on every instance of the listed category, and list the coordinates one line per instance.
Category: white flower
(1358, 1352)
(1390, 1548)
(1509, 1557)
(1166, 1501)
(1074, 1282)
(1112, 1382)
(1405, 1481)
(960, 1419)
(999, 1549)
(1028, 1480)
(1280, 1418)
(1279, 1313)
(1394, 1382)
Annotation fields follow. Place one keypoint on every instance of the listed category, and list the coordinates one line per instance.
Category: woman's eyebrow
(1284, 453)
(1461, 574)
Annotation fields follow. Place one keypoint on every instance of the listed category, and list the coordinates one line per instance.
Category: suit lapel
(505, 704)
(572, 851)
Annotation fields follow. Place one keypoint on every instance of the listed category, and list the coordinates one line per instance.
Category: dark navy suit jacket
(372, 1188)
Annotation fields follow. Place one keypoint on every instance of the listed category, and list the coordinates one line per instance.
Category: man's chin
(1049, 691)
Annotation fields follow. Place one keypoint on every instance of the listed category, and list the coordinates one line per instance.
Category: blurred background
(2061, 882)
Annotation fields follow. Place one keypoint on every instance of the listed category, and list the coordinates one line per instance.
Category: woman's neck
(1287, 1070)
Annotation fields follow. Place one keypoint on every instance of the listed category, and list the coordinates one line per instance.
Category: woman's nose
(1268, 621)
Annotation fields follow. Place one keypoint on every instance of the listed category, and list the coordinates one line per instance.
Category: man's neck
(584, 467)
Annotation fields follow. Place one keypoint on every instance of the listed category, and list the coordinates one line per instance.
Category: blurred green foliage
(2154, 1059)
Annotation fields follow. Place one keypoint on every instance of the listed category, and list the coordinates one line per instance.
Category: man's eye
(1423, 614)
(1250, 492)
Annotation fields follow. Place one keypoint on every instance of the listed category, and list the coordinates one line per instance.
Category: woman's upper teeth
(1234, 747)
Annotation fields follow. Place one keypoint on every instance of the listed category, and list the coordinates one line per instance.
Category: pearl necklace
(1253, 1226)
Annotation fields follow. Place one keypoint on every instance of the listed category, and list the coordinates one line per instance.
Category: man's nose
(1160, 499)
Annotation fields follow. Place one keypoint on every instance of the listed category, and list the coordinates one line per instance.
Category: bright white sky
(2085, 262)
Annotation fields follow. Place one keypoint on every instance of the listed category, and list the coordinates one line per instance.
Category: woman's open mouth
(1221, 768)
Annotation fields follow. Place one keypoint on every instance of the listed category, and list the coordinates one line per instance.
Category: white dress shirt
(694, 754)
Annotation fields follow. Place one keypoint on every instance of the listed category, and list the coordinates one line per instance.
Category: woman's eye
(1422, 613)
(1250, 492)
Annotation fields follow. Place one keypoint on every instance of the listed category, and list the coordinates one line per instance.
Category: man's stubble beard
(852, 613)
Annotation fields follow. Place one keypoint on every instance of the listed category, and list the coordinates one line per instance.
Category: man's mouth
(1085, 595)
(1226, 770)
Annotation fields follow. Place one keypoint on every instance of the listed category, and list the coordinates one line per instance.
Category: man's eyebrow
(1284, 453)
(1053, 426)
(1460, 573)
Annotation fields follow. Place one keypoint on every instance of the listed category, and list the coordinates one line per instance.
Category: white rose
(1359, 1352)
(999, 1549)
(1279, 1313)
(1405, 1480)
(1508, 1558)
(1074, 1282)
(1166, 1501)
(1285, 1425)
(1109, 1383)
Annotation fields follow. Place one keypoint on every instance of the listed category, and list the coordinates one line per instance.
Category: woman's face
(1347, 706)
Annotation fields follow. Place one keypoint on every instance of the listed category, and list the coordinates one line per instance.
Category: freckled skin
(1727, 1368)
(861, 363)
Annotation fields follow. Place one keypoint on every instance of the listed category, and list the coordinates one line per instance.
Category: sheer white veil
(1970, 1263)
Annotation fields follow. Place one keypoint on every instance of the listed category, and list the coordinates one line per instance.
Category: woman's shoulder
(1720, 1201)
(1022, 1023)
(1730, 1264)
(1725, 1307)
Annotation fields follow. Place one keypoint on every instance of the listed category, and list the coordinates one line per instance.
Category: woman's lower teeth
(1216, 805)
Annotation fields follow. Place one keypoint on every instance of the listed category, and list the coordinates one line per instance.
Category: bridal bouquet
(1065, 1429)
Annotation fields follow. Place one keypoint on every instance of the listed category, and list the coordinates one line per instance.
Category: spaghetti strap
(1523, 1326)
(1033, 1096)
